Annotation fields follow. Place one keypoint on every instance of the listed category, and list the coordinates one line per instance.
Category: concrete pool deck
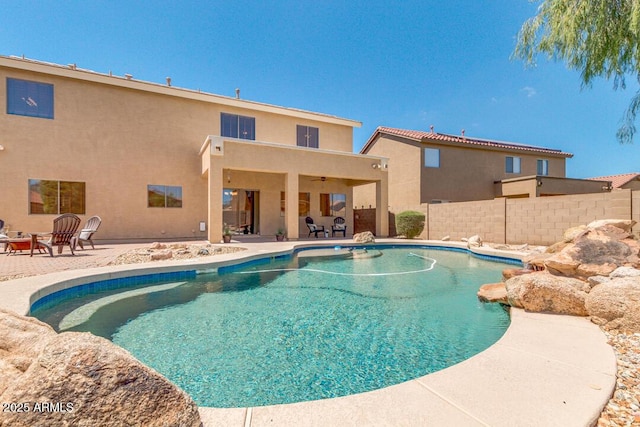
(546, 370)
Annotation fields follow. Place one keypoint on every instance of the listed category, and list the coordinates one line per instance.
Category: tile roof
(618, 181)
(424, 136)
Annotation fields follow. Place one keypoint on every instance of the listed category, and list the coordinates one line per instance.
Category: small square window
(431, 158)
(543, 167)
(26, 98)
(307, 136)
(512, 165)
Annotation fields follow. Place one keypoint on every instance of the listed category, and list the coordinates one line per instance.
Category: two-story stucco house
(431, 167)
(160, 162)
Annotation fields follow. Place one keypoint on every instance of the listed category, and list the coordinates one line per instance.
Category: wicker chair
(87, 232)
(64, 228)
(339, 226)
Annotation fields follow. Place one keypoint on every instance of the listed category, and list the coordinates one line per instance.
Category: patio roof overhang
(355, 169)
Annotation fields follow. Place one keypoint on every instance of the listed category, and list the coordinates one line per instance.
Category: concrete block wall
(543, 220)
(485, 218)
(537, 221)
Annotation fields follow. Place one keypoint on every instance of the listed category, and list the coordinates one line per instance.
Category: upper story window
(56, 197)
(512, 165)
(26, 98)
(235, 126)
(543, 167)
(307, 136)
(164, 196)
(431, 158)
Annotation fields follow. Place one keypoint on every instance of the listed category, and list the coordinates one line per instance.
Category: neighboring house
(160, 162)
(430, 167)
(622, 181)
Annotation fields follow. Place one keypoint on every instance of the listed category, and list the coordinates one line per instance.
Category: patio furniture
(313, 228)
(64, 228)
(87, 232)
(339, 226)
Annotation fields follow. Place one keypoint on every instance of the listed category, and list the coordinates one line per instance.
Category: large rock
(364, 237)
(493, 292)
(544, 292)
(615, 304)
(83, 380)
(624, 224)
(597, 251)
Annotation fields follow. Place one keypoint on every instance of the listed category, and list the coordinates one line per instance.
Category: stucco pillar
(291, 188)
(215, 201)
(382, 208)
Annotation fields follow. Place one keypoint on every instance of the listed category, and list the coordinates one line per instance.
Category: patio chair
(313, 228)
(87, 232)
(339, 226)
(64, 228)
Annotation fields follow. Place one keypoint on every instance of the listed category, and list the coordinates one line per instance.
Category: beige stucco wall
(469, 173)
(404, 182)
(464, 174)
(540, 186)
(118, 138)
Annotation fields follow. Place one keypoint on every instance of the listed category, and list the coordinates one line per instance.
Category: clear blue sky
(409, 65)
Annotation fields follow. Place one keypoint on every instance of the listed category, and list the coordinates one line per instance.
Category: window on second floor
(543, 167)
(431, 158)
(307, 136)
(26, 98)
(512, 165)
(235, 126)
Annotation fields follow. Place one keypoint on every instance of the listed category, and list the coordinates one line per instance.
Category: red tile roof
(618, 181)
(424, 136)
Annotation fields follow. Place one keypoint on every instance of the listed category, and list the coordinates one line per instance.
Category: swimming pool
(300, 328)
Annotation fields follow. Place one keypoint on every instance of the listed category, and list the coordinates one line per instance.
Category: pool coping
(545, 370)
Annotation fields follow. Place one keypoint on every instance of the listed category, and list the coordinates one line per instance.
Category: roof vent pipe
(237, 93)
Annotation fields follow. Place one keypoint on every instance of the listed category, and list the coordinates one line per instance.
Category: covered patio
(263, 187)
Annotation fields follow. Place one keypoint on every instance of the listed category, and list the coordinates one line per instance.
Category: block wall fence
(537, 221)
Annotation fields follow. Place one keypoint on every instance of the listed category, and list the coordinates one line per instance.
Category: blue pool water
(301, 328)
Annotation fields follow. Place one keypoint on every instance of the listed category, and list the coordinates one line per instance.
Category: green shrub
(410, 223)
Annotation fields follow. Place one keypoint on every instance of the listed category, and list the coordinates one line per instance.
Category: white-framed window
(307, 136)
(543, 167)
(431, 158)
(235, 126)
(512, 164)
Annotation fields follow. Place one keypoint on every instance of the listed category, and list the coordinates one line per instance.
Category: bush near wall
(410, 223)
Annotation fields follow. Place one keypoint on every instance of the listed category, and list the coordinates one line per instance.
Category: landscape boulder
(493, 292)
(544, 292)
(593, 271)
(615, 304)
(79, 379)
(364, 237)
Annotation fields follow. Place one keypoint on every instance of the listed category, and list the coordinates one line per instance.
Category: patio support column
(215, 201)
(291, 189)
(382, 208)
